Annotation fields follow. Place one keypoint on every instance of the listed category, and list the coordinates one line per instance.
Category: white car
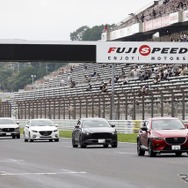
(9, 127)
(41, 129)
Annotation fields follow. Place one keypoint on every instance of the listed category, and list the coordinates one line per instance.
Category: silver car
(9, 127)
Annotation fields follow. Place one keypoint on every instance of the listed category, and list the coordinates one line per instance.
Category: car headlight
(157, 138)
(34, 131)
(17, 129)
(86, 132)
(114, 132)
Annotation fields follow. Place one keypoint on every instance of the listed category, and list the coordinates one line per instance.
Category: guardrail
(122, 126)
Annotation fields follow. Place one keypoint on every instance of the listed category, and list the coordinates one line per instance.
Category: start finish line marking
(64, 171)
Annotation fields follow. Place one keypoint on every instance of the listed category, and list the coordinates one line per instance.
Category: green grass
(127, 137)
(65, 134)
(121, 137)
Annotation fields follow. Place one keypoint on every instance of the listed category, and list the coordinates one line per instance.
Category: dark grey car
(9, 127)
(94, 131)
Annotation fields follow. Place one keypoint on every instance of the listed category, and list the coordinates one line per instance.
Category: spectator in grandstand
(184, 70)
(125, 81)
(62, 82)
(98, 76)
(89, 87)
(61, 71)
(154, 13)
(183, 37)
(73, 84)
(116, 78)
(165, 1)
(122, 72)
(94, 73)
(71, 69)
(142, 17)
(144, 90)
(156, 79)
(103, 87)
(69, 78)
(134, 73)
(180, 5)
(88, 79)
(172, 39)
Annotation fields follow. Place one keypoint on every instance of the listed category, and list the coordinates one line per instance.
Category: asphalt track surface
(58, 165)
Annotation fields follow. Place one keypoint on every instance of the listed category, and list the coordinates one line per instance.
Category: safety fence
(122, 126)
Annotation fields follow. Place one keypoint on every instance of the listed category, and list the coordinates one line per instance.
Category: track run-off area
(46, 164)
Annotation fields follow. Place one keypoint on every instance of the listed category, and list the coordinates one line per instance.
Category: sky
(55, 19)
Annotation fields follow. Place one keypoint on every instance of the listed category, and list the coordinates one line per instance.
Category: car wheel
(31, 140)
(18, 136)
(114, 145)
(50, 140)
(13, 137)
(25, 139)
(150, 150)
(82, 145)
(140, 151)
(105, 145)
(178, 154)
(73, 143)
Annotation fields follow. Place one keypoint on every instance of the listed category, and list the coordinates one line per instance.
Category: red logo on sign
(144, 50)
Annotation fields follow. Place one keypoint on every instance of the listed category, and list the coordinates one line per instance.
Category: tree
(78, 34)
(85, 33)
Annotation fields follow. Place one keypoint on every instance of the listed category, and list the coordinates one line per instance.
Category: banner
(142, 52)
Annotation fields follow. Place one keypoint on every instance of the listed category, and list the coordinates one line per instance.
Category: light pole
(33, 76)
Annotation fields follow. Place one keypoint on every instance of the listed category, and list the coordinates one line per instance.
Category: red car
(162, 135)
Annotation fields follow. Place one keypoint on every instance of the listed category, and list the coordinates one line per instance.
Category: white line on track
(64, 171)
(10, 161)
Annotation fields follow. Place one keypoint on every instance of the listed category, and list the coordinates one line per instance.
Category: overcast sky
(56, 19)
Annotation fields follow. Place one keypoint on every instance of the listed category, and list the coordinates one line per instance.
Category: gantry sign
(100, 52)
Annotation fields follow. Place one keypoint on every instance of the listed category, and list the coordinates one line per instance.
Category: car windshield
(94, 123)
(7, 121)
(41, 123)
(167, 124)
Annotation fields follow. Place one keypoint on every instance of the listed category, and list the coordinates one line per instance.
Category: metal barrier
(122, 126)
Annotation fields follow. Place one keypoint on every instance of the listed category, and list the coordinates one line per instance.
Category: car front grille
(175, 140)
(45, 133)
(8, 129)
(101, 135)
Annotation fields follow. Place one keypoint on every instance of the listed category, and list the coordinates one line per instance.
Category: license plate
(101, 140)
(8, 134)
(176, 147)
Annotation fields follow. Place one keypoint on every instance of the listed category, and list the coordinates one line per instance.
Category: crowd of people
(158, 9)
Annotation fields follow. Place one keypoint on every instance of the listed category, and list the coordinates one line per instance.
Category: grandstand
(149, 90)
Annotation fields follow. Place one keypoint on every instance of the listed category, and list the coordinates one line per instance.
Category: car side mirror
(17, 123)
(77, 126)
(56, 125)
(186, 126)
(112, 125)
(144, 128)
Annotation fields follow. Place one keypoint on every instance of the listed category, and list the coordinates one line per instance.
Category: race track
(58, 165)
